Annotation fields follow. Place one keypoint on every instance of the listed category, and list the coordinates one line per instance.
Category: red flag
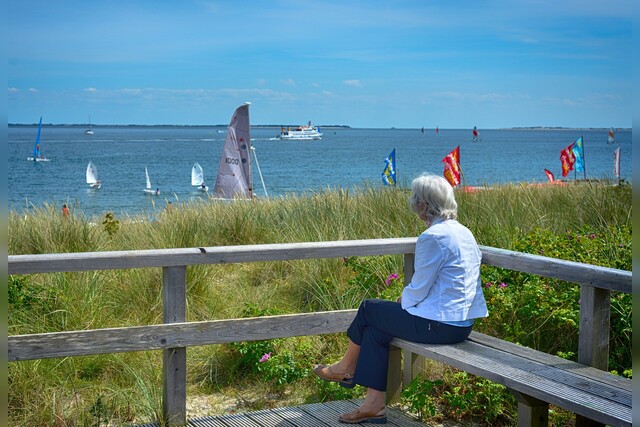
(452, 167)
(568, 159)
(550, 176)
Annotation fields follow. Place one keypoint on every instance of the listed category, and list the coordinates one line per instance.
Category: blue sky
(378, 64)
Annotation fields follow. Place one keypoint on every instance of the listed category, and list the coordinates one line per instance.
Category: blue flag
(578, 152)
(389, 172)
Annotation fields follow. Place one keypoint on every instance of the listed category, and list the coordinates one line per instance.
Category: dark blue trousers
(377, 323)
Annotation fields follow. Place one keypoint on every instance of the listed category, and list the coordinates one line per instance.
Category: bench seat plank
(529, 377)
(569, 373)
(548, 359)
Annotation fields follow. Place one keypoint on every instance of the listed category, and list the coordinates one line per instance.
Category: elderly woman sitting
(437, 307)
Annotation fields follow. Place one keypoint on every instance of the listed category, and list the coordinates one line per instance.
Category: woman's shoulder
(448, 231)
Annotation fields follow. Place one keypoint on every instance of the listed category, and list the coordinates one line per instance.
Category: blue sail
(36, 147)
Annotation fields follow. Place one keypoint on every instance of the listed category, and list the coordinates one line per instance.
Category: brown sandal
(344, 379)
(357, 417)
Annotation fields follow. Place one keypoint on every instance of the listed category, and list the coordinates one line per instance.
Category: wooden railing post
(394, 375)
(174, 360)
(532, 412)
(595, 315)
(593, 343)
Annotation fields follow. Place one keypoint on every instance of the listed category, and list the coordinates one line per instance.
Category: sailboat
(235, 179)
(92, 177)
(476, 134)
(610, 138)
(37, 153)
(197, 177)
(148, 189)
(89, 131)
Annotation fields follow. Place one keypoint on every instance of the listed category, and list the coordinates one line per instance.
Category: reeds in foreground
(126, 387)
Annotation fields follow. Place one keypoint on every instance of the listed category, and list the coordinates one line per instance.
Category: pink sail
(234, 178)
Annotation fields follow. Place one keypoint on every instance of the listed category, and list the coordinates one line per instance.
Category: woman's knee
(377, 336)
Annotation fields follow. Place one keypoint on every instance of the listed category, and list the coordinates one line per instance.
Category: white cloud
(353, 83)
(33, 90)
(91, 89)
(450, 95)
(288, 82)
(13, 90)
(131, 91)
(475, 97)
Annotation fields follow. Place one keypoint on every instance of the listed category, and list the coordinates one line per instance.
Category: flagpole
(584, 159)
(616, 160)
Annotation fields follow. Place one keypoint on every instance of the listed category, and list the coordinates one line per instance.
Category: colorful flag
(616, 163)
(550, 176)
(389, 172)
(567, 159)
(452, 167)
(578, 153)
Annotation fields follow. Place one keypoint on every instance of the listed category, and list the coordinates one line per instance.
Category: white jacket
(446, 285)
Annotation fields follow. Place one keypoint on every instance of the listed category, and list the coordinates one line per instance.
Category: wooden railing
(175, 334)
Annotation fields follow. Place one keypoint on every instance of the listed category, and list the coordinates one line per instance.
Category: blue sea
(344, 158)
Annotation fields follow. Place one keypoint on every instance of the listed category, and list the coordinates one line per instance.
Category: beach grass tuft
(123, 388)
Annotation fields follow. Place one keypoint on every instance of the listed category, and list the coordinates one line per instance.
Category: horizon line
(331, 126)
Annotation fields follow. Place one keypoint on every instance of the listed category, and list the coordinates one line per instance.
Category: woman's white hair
(432, 196)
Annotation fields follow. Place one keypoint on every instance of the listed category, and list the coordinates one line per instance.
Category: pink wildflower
(488, 284)
(592, 236)
(390, 278)
(265, 357)
(503, 285)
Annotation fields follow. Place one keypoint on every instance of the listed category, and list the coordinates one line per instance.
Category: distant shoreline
(19, 125)
(550, 128)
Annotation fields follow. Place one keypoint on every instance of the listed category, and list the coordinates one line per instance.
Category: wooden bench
(537, 379)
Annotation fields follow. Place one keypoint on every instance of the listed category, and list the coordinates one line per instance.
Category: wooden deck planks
(269, 418)
(309, 415)
(298, 417)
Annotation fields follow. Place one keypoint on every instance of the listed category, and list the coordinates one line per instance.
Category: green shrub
(586, 223)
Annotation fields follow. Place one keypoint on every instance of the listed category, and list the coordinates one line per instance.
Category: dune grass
(121, 388)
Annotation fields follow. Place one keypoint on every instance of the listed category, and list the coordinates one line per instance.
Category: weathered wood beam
(157, 337)
(602, 277)
(85, 261)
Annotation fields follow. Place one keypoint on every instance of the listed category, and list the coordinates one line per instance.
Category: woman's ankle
(342, 367)
(375, 400)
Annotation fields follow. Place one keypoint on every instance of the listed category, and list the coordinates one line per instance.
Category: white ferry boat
(301, 132)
